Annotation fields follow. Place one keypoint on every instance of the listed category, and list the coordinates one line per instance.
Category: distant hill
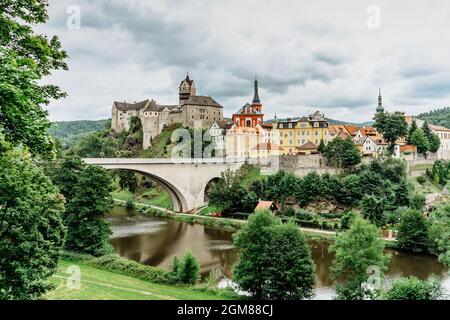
(69, 131)
(440, 117)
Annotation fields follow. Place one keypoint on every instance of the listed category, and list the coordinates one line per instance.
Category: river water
(155, 241)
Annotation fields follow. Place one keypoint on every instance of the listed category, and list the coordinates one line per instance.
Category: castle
(154, 117)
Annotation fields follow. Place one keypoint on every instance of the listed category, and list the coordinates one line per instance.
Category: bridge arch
(178, 200)
(186, 180)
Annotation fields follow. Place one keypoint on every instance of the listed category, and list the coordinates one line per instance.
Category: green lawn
(97, 284)
(153, 197)
(426, 188)
(422, 167)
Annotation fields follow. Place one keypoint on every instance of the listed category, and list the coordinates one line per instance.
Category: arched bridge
(184, 179)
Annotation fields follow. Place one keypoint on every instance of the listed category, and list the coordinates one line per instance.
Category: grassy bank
(152, 197)
(98, 284)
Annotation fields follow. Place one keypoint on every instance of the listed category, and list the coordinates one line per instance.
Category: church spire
(256, 95)
(380, 102)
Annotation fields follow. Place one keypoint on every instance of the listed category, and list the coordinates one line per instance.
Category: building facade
(292, 134)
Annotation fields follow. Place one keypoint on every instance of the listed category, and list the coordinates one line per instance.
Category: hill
(440, 117)
(69, 131)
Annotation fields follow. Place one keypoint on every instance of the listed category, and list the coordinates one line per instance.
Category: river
(155, 241)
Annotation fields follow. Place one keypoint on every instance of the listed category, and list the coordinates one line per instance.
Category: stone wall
(191, 114)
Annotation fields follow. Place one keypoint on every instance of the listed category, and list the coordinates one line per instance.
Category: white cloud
(307, 54)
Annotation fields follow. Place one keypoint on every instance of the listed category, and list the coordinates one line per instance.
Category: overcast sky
(308, 55)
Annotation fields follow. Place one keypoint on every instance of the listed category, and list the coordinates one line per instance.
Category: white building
(444, 135)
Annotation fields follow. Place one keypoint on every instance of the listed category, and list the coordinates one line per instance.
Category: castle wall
(207, 115)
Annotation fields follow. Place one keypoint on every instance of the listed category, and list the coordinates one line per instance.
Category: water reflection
(155, 242)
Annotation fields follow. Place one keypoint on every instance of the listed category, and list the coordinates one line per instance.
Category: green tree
(128, 180)
(413, 232)
(290, 274)
(322, 147)
(435, 142)
(439, 233)
(418, 201)
(25, 59)
(412, 288)
(227, 193)
(274, 260)
(413, 127)
(355, 251)
(392, 126)
(87, 230)
(189, 271)
(373, 209)
(31, 229)
(65, 175)
(342, 153)
(420, 140)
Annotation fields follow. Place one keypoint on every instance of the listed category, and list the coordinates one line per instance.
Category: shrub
(421, 179)
(115, 263)
(412, 288)
(418, 202)
(189, 270)
(346, 219)
(129, 204)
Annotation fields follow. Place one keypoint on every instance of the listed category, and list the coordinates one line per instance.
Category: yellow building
(290, 135)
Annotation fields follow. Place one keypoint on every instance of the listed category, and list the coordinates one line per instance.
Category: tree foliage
(342, 153)
(31, 229)
(412, 288)
(392, 126)
(87, 230)
(420, 140)
(413, 232)
(25, 59)
(355, 251)
(274, 260)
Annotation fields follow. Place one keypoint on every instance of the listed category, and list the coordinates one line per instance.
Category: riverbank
(98, 284)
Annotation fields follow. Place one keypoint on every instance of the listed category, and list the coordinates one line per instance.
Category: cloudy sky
(308, 54)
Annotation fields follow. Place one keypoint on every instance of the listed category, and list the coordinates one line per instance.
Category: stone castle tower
(186, 89)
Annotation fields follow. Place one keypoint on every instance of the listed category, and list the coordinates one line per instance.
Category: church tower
(186, 89)
(380, 102)
(256, 103)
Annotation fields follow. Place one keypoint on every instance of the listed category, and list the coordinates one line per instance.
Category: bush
(129, 204)
(115, 263)
(413, 232)
(347, 219)
(421, 179)
(304, 215)
(412, 288)
(189, 270)
(418, 202)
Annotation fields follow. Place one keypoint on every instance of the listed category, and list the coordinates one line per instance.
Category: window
(290, 125)
(281, 141)
(316, 133)
(281, 126)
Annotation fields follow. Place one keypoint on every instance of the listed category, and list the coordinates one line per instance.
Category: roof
(266, 125)
(248, 109)
(368, 131)
(187, 79)
(378, 140)
(267, 146)
(408, 147)
(308, 146)
(264, 205)
(438, 128)
(124, 106)
(202, 101)
(343, 135)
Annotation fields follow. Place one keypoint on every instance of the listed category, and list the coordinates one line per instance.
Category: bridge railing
(164, 161)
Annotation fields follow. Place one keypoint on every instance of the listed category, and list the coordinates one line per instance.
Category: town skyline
(306, 58)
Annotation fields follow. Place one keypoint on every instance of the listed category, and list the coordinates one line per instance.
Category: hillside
(439, 117)
(69, 131)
